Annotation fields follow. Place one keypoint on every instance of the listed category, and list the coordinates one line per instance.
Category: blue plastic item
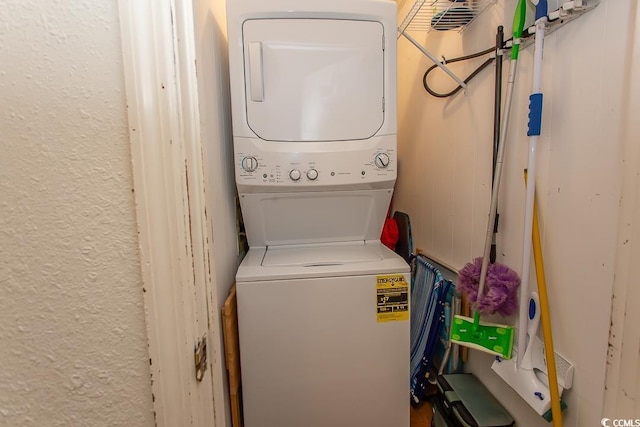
(429, 292)
(535, 114)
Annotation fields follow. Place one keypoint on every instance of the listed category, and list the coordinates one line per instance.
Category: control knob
(312, 174)
(294, 174)
(249, 164)
(382, 160)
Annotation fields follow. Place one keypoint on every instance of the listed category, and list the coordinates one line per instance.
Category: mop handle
(496, 182)
(497, 117)
(518, 26)
(535, 124)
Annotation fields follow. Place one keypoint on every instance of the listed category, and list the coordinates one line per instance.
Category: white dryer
(323, 306)
(313, 96)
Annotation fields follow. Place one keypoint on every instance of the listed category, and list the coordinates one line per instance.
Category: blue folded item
(429, 292)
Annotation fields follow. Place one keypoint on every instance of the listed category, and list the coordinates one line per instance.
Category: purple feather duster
(500, 289)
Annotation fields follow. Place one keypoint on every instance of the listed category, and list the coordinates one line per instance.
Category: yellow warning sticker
(392, 298)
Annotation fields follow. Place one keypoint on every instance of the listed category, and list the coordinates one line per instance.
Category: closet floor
(421, 416)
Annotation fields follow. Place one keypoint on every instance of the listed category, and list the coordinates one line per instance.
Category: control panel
(255, 167)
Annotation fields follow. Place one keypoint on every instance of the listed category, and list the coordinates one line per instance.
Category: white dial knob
(295, 174)
(249, 164)
(312, 174)
(382, 160)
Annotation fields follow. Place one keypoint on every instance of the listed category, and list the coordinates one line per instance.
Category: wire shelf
(428, 15)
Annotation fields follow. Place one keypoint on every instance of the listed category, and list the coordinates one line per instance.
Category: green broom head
(487, 337)
(499, 295)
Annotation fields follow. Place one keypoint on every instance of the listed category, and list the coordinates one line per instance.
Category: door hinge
(383, 104)
(200, 357)
(383, 46)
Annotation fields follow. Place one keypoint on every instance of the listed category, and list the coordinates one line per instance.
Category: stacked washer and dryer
(323, 306)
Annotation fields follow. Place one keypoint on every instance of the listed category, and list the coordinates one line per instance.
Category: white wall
(445, 178)
(72, 326)
(215, 117)
(622, 396)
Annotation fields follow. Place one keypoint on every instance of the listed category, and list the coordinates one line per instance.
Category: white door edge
(162, 100)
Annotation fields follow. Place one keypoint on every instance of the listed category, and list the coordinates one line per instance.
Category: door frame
(159, 60)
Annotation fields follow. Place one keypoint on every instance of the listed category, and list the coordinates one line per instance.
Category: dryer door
(314, 79)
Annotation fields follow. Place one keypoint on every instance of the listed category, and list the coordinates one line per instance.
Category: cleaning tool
(523, 378)
(500, 297)
(492, 338)
(556, 406)
(497, 99)
(520, 373)
(535, 125)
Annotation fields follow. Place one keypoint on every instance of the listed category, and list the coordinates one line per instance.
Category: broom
(500, 281)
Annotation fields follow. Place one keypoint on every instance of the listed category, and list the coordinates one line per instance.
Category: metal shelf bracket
(427, 15)
(435, 60)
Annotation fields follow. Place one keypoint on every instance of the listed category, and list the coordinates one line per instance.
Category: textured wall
(72, 335)
(444, 181)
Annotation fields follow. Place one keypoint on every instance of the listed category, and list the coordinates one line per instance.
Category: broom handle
(496, 181)
(545, 319)
(497, 117)
(518, 26)
(535, 126)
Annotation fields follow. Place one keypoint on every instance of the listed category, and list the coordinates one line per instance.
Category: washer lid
(380, 260)
(320, 255)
